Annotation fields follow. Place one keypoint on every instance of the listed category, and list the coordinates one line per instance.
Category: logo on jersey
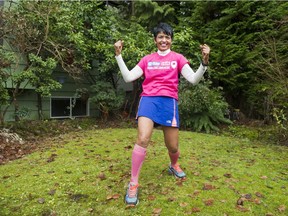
(173, 64)
(162, 65)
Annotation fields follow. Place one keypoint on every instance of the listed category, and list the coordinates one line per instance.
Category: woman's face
(163, 41)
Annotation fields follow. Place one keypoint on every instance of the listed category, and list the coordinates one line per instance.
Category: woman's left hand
(205, 50)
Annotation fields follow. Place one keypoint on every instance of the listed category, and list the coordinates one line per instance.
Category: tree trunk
(15, 102)
(39, 106)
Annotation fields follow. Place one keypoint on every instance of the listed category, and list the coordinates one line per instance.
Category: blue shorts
(161, 110)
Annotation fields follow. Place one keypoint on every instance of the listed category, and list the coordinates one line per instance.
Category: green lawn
(88, 174)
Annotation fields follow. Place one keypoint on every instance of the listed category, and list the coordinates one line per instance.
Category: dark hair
(163, 27)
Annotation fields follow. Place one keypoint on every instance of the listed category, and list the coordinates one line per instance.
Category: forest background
(247, 73)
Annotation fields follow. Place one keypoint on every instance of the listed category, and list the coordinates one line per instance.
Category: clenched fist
(205, 50)
(118, 47)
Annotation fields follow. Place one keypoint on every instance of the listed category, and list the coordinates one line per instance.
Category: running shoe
(131, 197)
(176, 171)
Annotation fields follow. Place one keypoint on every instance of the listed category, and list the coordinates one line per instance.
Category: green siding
(28, 100)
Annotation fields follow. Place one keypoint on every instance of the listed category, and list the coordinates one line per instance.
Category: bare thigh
(145, 129)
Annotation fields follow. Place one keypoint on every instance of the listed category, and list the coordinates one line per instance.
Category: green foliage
(235, 31)
(248, 41)
(281, 117)
(202, 108)
(6, 59)
(39, 75)
(106, 98)
(150, 13)
(184, 37)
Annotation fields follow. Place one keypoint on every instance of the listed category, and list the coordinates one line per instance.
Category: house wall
(27, 101)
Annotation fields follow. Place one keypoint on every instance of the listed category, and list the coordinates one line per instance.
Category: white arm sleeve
(191, 76)
(128, 76)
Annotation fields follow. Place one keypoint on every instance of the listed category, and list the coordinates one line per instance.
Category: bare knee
(172, 149)
(143, 141)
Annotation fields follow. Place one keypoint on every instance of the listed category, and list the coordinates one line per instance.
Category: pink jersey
(161, 74)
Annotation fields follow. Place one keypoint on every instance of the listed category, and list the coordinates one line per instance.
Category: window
(68, 107)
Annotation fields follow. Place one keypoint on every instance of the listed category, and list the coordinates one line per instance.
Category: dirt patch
(25, 137)
(13, 150)
(13, 146)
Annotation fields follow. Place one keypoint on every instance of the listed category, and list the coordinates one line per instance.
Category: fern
(202, 109)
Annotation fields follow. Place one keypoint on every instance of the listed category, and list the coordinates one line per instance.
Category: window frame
(70, 108)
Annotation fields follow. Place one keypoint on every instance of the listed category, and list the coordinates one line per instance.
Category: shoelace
(132, 190)
(177, 168)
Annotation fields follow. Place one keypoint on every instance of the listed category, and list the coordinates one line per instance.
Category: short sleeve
(182, 61)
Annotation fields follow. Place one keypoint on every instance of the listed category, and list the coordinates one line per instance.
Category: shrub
(107, 98)
(201, 107)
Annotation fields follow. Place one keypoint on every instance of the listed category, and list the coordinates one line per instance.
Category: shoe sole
(129, 206)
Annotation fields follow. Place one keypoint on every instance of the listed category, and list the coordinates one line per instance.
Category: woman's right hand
(118, 47)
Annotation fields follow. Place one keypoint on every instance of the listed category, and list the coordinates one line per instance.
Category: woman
(159, 100)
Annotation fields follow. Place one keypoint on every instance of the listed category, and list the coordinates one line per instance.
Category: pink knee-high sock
(174, 157)
(138, 157)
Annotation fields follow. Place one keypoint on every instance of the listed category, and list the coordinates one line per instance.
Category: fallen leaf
(228, 175)
(232, 187)
(151, 197)
(242, 208)
(196, 192)
(157, 211)
(240, 201)
(258, 194)
(82, 179)
(116, 196)
(209, 202)
(196, 209)
(164, 192)
(179, 183)
(41, 200)
(247, 196)
(171, 199)
(208, 187)
(109, 197)
(53, 213)
(257, 201)
(90, 210)
(281, 208)
(113, 196)
(214, 178)
(51, 158)
(263, 177)
(102, 176)
(184, 204)
(52, 192)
